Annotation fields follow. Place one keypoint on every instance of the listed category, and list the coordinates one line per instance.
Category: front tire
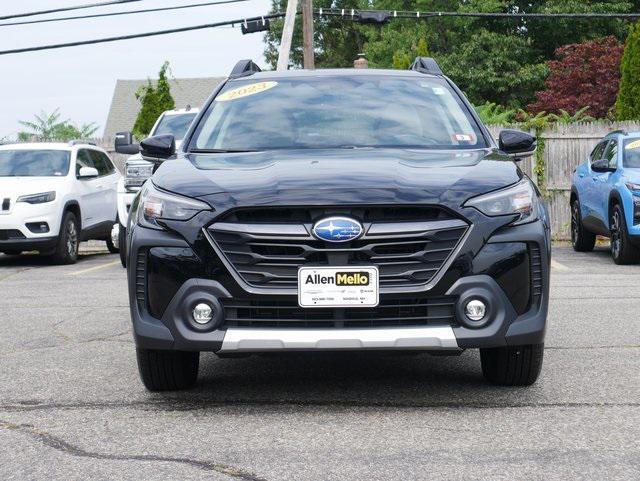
(513, 365)
(122, 245)
(581, 239)
(167, 370)
(112, 247)
(68, 241)
(623, 251)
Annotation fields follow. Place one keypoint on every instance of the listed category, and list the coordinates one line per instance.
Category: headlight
(157, 205)
(520, 199)
(38, 198)
(633, 187)
(136, 175)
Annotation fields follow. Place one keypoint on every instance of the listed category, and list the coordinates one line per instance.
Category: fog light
(475, 310)
(202, 313)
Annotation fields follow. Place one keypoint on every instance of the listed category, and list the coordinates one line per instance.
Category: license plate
(352, 286)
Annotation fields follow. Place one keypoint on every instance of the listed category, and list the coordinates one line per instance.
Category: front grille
(10, 234)
(536, 273)
(390, 313)
(406, 252)
(365, 214)
(141, 279)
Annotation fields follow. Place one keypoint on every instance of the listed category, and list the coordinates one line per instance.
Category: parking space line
(95, 268)
(556, 265)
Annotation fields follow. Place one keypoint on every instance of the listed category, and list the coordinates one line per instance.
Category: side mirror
(601, 166)
(158, 149)
(87, 173)
(124, 144)
(517, 144)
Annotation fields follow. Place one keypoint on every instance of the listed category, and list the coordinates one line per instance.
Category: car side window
(102, 163)
(83, 159)
(597, 153)
(611, 154)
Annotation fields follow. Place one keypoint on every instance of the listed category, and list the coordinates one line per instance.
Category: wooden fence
(566, 146)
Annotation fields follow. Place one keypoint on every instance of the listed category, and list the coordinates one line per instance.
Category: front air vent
(6, 204)
(10, 234)
(400, 312)
(536, 273)
(141, 279)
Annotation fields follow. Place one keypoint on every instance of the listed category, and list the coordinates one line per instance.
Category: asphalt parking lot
(72, 407)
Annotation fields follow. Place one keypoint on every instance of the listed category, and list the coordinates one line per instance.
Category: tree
(46, 127)
(464, 46)
(395, 46)
(628, 102)
(584, 74)
(154, 99)
(496, 68)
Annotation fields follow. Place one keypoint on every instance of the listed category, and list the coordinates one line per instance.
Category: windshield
(176, 125)
(632, 153)
(34, 163)
(337, 112)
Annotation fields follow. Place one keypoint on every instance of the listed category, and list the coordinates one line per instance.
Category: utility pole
(287, 35)
(307, 34)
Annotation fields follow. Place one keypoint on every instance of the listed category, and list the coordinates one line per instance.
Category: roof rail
(615, 132)
(426, 65)
(244, 68)
(80, 141)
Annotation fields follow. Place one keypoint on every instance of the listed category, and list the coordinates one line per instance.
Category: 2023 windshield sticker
(245, 91)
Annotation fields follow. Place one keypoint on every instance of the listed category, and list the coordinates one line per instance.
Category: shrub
(584, 74)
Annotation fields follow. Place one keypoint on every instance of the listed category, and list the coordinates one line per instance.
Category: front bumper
(15, 232)
(41, 244)
(125, 198)
(167, 279)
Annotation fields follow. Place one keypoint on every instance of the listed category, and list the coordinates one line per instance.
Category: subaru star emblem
(337, 229)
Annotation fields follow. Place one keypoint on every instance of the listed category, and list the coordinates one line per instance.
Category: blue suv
(605, 197)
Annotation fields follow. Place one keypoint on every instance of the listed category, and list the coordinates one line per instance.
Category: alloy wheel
(616, 235)
(72, 238)
(575, 219)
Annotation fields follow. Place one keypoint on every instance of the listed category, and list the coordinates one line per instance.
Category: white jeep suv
(55, 195)
(137, 170)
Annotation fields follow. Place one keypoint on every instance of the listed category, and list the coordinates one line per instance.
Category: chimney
(361, 62)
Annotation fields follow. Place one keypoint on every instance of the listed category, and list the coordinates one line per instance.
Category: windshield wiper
(220, 151)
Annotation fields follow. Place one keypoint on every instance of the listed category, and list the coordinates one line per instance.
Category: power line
(141, 35)
(66, 9)
(383, 16)
(364, 16)
(126, 12)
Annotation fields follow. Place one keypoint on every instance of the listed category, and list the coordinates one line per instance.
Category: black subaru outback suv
(338, 210)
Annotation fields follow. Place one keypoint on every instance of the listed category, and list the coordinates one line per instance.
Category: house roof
(125, 107)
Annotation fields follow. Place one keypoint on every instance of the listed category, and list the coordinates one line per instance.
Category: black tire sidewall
(122, 245)
(62, 255)
(584, 240)
(628, 253)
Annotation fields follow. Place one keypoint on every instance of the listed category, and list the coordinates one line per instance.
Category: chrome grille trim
(250, 253)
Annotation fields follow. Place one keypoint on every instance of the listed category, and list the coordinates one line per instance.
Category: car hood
(339, 176)
(13, 187)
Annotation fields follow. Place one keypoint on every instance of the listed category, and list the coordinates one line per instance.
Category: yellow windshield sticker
(633, 145)
(245, 91)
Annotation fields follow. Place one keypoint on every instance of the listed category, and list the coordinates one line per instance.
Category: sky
(80, 80)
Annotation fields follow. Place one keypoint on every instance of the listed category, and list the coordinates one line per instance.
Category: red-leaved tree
(584, 74)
